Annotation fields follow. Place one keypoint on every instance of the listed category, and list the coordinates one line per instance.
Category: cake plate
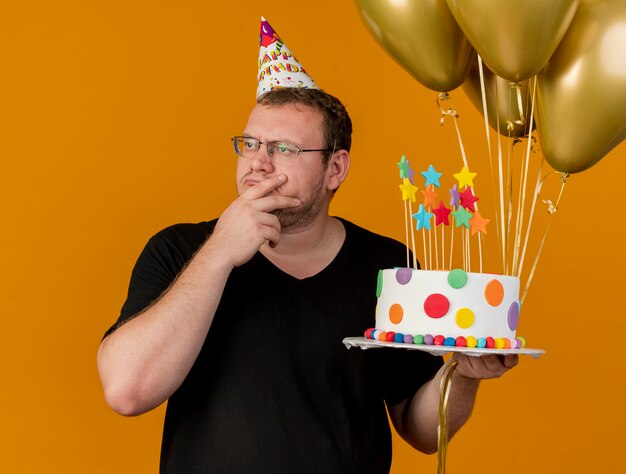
(439, 350)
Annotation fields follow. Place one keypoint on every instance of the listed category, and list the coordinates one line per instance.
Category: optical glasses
(248, 146)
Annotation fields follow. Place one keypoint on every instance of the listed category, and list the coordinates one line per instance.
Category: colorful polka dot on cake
(494, 293)
(513, 315)
(403, 275)
(436, 305)
(457, 278)
(396, 313)
(464, 318)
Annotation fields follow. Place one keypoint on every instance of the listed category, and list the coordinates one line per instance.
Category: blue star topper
(432, 176)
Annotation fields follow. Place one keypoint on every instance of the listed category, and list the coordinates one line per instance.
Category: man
(238, 322)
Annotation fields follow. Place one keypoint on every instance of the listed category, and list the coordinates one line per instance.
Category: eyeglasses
(248, 146)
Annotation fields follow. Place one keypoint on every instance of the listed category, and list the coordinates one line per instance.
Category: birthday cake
(442, 305)
(452, 308)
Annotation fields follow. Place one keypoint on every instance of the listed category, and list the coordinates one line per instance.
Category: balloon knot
(551, 207)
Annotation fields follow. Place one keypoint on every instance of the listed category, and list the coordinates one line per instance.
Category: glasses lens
(282, 149)
(245, 145)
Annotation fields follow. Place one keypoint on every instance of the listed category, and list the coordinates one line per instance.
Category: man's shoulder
(186, 230)
(369, 237)
(186, 237)
(371, 249)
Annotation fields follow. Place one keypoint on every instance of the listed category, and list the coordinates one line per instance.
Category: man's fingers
(270, 203)
(261, 188)
(511, 361)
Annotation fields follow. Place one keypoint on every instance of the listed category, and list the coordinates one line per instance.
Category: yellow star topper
(408, 190)
(465, 178)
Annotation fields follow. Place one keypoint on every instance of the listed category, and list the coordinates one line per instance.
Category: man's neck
(305, 251)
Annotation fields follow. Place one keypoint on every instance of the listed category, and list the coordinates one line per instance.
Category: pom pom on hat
(278, 67)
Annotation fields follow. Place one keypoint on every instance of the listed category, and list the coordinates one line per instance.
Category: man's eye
(249, 144)
(284, 149)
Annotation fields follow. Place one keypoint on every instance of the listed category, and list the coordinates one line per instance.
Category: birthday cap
(278, 67)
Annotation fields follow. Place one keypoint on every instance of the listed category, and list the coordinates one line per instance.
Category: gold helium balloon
(503, 99)
(581, 93)
(515, 38)
(422, 36)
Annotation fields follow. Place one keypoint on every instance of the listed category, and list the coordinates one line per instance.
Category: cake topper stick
(436, 248)
(406, 233)
(443, 247)
(480, 254)
(452, 227)
(408, 211)
(413, 240)
(430, 247)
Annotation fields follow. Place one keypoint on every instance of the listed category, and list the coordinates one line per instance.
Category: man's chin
(293, 217)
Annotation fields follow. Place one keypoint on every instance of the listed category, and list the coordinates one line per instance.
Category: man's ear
(338, 166)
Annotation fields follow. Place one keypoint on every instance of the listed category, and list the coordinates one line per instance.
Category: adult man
(239, 321)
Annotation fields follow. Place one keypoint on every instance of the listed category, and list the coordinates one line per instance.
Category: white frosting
(495, 316)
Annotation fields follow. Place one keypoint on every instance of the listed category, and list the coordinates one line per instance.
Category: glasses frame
(269, 152)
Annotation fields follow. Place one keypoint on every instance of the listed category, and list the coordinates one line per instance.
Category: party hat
(278, 67)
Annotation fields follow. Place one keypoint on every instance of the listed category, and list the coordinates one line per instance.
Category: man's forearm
(416, 420)
(145, 360)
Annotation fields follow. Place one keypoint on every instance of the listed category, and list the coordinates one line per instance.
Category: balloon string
(452, 113)
(520, 106)
(552, 208)
(538, 187)
(484, 97)
(499, 225)
(500, 215)
(509, 202)
(443, 427)
(518, 228)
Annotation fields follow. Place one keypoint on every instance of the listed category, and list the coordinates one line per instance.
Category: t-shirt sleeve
(405, 371)
(156, 268)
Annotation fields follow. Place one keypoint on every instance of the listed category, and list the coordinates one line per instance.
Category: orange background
(115, 120)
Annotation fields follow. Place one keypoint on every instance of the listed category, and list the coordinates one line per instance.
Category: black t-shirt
(273, 389)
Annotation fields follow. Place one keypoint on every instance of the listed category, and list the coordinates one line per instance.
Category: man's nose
(262, 159)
